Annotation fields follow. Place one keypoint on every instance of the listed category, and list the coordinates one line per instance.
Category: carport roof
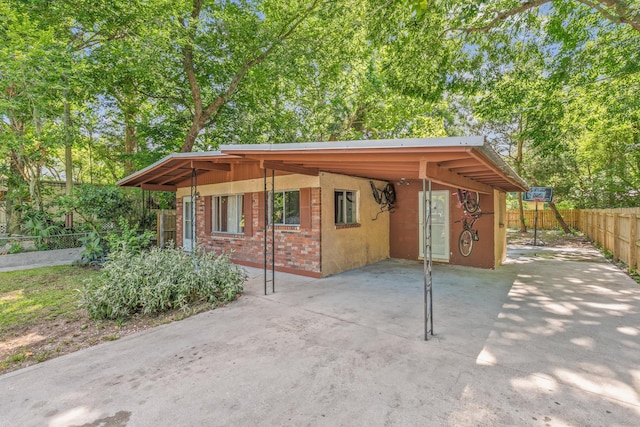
(464, 162)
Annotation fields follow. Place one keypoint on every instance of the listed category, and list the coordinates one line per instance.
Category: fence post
(616, 231)
(603, 227)
(161, 228)
(633, 218)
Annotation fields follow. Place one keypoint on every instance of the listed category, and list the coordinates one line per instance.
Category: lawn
(40, 317)
(30, 297)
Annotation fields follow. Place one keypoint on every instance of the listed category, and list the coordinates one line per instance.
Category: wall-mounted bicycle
(470, 203)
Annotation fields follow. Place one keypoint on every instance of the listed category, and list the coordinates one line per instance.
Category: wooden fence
(546, 218)
(617, 231)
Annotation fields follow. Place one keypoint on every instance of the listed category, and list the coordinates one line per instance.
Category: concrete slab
(27, 260)
(551, 338)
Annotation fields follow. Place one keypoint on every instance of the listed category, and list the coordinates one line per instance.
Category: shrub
(160, 280)
(93, 251)
(97, 205)
(129, 239)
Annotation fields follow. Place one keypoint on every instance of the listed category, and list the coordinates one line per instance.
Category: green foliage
(97, 205)
(160, 280)
(129, 239)
(93, 251)
(15, 248)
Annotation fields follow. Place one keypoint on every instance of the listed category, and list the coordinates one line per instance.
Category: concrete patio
(551, 338)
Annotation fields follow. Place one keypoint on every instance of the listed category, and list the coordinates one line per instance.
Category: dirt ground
(550, 238)
(55, 338)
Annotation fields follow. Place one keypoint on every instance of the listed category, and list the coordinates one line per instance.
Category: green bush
(129, 239)
(93, 251)
(160, 280)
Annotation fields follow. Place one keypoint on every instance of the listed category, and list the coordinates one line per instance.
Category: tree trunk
(130, 139)
(559, 218)
(519, 158)
(68, 155)
(68, 158)
(204, 115)
(523, 223)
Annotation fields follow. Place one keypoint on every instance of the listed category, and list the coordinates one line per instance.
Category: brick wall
(297, 248)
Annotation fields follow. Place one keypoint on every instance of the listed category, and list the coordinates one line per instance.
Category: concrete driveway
(550, 339)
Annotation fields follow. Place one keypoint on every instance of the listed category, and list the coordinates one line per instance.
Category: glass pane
(339, 207)
(239, 220)
(278, 208)
(188, 215)
(224, 213)
(350, 207)
(292, 207)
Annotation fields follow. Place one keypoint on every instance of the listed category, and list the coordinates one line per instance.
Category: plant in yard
(93, 252)
(15, 248)
(159, 280)
(129, 239)
(39, 224)
(97, 205)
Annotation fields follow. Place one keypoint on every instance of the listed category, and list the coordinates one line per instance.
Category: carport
(456, 162)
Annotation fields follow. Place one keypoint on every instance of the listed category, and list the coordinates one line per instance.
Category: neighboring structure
(321, 203)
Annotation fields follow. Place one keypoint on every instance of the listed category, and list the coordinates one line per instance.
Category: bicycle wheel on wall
(465, 243)
(472, 202)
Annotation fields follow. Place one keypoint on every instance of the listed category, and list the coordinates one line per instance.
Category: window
(345, 207)
(227, 214)
(286, 208)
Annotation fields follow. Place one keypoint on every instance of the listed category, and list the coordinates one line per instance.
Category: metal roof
(465, 162)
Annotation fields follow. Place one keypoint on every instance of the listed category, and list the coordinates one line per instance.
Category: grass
(28, 297)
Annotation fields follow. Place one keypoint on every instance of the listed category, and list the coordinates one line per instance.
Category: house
(324, 206)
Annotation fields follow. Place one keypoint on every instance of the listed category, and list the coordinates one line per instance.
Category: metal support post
(427, 259)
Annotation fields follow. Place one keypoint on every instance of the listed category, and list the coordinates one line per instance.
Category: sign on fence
(538, 194)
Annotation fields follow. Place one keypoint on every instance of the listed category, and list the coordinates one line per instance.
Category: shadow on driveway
(551, 338)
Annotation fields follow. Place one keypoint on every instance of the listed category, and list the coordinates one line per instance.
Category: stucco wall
(286, 182)
(352, 246)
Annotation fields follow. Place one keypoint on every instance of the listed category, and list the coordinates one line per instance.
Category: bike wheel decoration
(472, 202)
(465, 243)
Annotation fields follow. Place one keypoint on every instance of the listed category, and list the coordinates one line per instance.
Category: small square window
(345, 207)
(286, 208)
(227, 214)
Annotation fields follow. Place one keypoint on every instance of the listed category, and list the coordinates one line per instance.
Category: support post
(268, 207)
(535, 226)
(194, 210)
(266, 227)
(427, 259)
(633, 218)
(273, 235)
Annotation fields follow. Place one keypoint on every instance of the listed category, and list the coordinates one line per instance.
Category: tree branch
(283, 34)
(187, 58)
(622, 13)
(501, 16)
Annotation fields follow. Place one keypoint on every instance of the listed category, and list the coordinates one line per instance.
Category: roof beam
(177, 177)
(157, 187)
(161, 171)
(459, 163)
(281, 166)
(443, 176)
(210, 166)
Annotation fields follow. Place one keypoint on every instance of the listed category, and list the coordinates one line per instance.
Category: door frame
(444, 196)
(187, 244)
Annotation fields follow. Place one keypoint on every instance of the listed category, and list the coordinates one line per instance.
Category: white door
(188, 216)
(439, 225)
